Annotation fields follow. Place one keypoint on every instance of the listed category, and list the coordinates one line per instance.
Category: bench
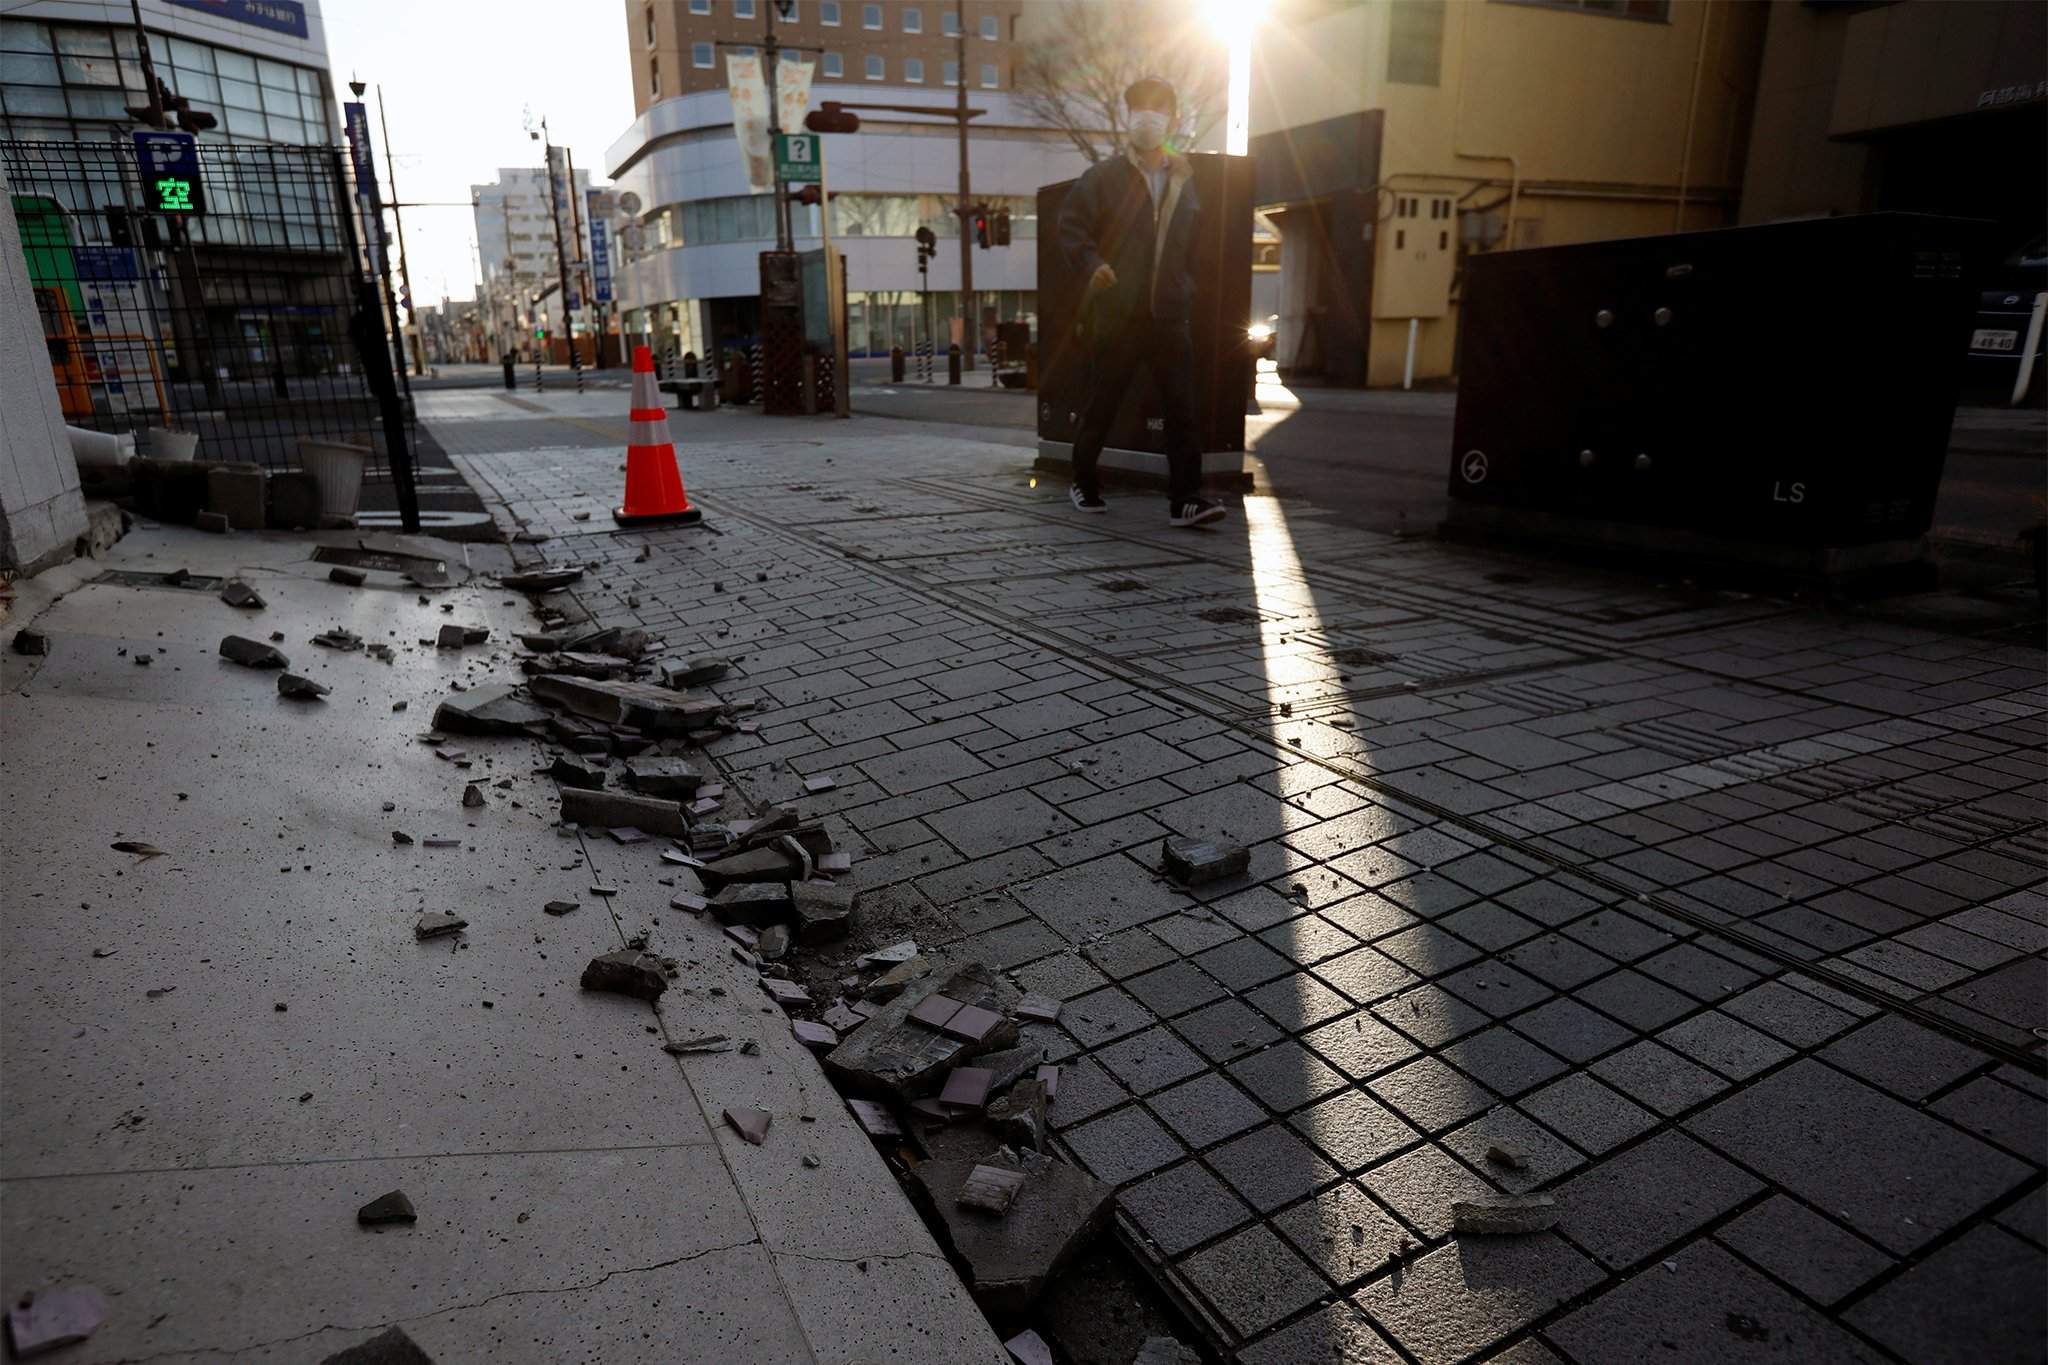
(705, 386)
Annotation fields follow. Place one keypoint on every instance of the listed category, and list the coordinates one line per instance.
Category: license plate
(1985, 339)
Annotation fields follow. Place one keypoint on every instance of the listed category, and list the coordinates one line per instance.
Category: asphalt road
(1378, 460)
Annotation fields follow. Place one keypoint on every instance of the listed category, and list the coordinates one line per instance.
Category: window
(875, 69)
(950, 24)
(700, 6)
(700, 55)
(990, 77)
(828, 13)
(989, 27)
(1654, 11)
(913, 70)
(1415, 40)
(654, 77)
(871, 16)
(649, 16)
(744, 52)
(742, 9)
(835, 66)
(788, 11)
(952, 73)
(913, 20)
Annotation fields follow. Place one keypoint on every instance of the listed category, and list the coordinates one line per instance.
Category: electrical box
(1790, 384)
(1418, 246)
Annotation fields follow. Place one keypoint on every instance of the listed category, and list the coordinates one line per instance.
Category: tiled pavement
(1663, 890)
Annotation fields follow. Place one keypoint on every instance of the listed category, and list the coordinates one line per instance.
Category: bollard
(511, 376)
(952, 364)
(895, 364)
(689, 403)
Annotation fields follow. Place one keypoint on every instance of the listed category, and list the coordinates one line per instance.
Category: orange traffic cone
(654, 487)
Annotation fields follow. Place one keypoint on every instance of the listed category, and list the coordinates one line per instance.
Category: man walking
(1128, 225)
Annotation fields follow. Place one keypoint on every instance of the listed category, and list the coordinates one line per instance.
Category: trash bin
(511, 379)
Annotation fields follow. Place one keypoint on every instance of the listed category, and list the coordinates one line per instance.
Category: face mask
(1148, 129)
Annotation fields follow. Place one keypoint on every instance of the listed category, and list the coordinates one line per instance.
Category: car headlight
(1258, 331)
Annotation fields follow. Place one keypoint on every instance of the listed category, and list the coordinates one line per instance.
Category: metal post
(784, 240)
(968, 333)
(584, 281)
(835, 292)
(391, 174)
(561, 258)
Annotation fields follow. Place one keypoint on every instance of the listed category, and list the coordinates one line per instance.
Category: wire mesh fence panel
(229, 319)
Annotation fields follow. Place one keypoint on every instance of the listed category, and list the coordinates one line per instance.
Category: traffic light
(405, 298)
(1002, 227)
(832, 119)
(981, 227)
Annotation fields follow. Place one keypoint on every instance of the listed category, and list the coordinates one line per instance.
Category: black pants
(1119, 350)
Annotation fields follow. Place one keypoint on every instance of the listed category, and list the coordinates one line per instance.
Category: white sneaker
(1085, 502)
(1194, 512)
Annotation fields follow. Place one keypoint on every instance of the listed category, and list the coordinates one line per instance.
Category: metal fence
(234, 323)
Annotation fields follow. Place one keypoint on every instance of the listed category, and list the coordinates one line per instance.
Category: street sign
(600, 249)
(799, 158)
(169, 167)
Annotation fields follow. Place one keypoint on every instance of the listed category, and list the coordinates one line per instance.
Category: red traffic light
(981, 229)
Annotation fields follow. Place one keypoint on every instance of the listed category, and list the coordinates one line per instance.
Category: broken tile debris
(389, 1347)
(1505, 1215)
(989, 1189)
(1195, 862)
(626, 972)
(751, 1124)
(438, 925)
(249, 653)
(49, 1318)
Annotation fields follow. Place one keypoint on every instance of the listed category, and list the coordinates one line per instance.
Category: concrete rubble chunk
(751, 1124)
(893, 982)
(348, 578)
(574, 772)
(1029, 1348)
(757, 904)
(1501, 1154)
(889, 956)
(835, 862)
(663, 776)
(577, 664)
(1019, 1115)
(438, 925)
(680, 673)
(1165, 1351)
(475, 635)
(1194, 862)
(989, 1189)
(803, 866)
(1505, 1216)
(472, 796)
(50, 1318)
(754, 865)
(541, 580)
(626, 972)
(1009, 1261)
(619, 810)
(387, 1208)
(300, 689)
(612, 701)
(842, 1019)
(31, 642)
(249, 653)
(488, 711)
(347, 641)
(236, 593)
(823, 912)
(389, 1347)
(888, 1055)
(452, 636)
(560, 907)
(707, 1042)
(1010, 1065)
(773, 945)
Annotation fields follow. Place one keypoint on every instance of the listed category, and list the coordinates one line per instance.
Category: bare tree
(1072, 75)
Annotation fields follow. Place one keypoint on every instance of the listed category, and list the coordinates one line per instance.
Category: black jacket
(1108, 217)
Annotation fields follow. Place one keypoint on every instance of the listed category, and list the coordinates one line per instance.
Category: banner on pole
(747, 82)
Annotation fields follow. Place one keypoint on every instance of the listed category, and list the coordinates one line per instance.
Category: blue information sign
(169, 167)
(600, 251)
(279, 16)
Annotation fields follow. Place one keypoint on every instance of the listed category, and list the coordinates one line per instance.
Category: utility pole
(772, 46)
(404, 275)
(561, 257)
(584, 284)
(969, 331)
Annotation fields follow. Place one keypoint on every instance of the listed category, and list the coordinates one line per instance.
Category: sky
(458, 78)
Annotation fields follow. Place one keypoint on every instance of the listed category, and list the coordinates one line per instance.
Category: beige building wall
(1591, 125)
(661, 34)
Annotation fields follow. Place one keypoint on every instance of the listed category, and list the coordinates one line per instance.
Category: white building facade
(515, 244)
(694, 281)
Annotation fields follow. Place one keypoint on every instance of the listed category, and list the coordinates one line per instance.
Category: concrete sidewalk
(1718, 918)
(213, 1057)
